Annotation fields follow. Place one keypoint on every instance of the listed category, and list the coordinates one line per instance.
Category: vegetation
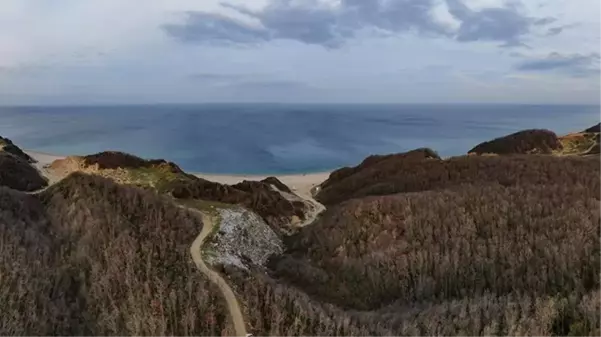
(7, 145)
(579, 143)
(91, 257)
(522, 142)
(116, 159)
(18, 174)
(410, 245)
(167, 178)
(374, 163)
(398, 176)
(450, 244)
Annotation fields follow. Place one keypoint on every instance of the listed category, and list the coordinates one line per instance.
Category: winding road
(230, 298)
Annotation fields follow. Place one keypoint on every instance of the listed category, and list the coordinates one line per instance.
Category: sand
(43, 160)
(301, 184)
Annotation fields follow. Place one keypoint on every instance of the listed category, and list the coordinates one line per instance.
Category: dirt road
(230, 298)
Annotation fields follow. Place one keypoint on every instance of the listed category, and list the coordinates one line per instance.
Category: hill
(18, 174)
(400, 175)
(91, 257)
(410, 244)
(445, 260)
(6, 145)
(270, 198)
(523, 142)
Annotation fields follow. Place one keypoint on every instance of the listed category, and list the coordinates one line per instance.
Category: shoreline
(300, 183)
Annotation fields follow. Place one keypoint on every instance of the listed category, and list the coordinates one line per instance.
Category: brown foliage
(91, 257)
(18, 174)
(521, 142)
(374, 163)
(115, 159)
(397, 176)
(446, 245)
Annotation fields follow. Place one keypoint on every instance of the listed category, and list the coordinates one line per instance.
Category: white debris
(243, 238)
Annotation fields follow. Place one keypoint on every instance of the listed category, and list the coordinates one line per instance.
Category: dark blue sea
(277, 138)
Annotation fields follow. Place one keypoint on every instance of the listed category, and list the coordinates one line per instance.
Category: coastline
(300, 183)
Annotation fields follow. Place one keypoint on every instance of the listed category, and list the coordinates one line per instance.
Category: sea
(277, 138)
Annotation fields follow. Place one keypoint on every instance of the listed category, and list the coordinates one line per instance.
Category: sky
(301, 51)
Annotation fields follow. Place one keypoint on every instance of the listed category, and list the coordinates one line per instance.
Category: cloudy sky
(157, 51)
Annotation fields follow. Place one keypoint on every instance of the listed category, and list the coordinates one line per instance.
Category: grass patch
(576, 143)
(153, 177)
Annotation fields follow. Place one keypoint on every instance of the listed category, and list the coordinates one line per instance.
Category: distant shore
(300, 183)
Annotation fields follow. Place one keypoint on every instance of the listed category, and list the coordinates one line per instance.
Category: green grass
(153, 177)
(577, 143)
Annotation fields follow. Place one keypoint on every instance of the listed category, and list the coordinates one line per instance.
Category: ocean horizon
(277, 138)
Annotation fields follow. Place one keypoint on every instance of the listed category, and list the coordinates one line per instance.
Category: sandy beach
(301, 184)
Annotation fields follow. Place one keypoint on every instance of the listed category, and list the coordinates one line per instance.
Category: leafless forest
(410, 245)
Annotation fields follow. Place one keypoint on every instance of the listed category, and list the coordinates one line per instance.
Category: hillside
(523, 142)
(18, 174)
(410, 244)
(399, 175)
(90, 257)
(95, 258)
(515, 254)
(6, 145)
(280, 210)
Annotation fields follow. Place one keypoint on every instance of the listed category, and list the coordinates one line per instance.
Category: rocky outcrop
(17, 173)
(243, 239)
(523, 142)
(273, 181)
(6, 145)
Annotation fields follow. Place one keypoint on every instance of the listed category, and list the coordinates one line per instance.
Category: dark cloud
(575, 65)
(502, 24)
(206, 27)
(310, 24)
(318, 24)
(558, 30)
